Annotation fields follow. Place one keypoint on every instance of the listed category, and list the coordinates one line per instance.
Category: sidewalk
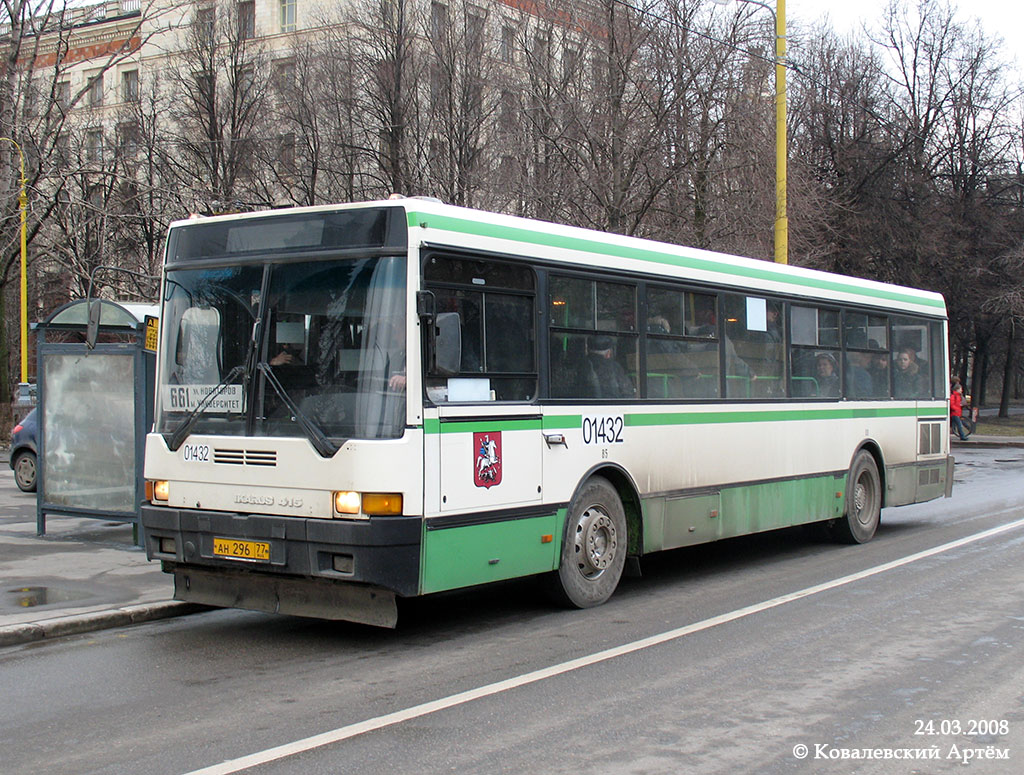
(83, 575)
(87, 574)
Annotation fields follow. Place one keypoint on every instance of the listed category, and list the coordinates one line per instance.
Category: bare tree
(219, 114)
(389, 66)
(40, 112)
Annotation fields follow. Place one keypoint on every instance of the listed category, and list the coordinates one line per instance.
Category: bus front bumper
(331, 569)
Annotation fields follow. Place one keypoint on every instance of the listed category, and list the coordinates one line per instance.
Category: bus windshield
(290, 349)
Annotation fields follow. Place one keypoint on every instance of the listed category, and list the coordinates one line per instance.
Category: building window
(94, 145)
(438, 22)
(130, 86)
(508, 44)
(95, 96)
(206, 19)
(541, 51)
(286, 153)
(128, 139)
(570, 64)
(63, 94)
(284, 75)
(288, 15)
(475, 24)
(247, 19)
(62, 150)
(206, 85)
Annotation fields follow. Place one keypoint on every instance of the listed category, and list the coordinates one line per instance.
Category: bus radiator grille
(245, 457)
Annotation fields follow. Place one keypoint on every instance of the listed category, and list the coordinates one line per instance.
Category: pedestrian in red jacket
(956, 411)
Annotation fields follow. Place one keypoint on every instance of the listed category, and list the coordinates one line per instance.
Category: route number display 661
(602, 429)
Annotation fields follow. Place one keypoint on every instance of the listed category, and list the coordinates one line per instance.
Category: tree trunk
(978, 373)
(1004, 403)
(5, 360)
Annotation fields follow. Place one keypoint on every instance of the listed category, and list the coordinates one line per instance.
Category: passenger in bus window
(607, 378)
(286, 355)
(827, 375)
(704, 319)
(858, 379)
(659, 324)
(907, 374)
(878, 370)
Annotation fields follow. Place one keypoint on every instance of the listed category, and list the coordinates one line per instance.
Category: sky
(1004, 18)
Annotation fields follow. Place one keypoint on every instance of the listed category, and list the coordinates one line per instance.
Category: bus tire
(863, 501)
(594, 546)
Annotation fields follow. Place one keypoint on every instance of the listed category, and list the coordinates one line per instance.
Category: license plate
(242, 550)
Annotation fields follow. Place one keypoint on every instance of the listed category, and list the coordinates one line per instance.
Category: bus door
(482, 376)
(489, 460)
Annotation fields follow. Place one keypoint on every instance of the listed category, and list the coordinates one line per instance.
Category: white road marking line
(390, 719)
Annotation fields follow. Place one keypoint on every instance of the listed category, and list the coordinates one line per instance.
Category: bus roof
(435, 223)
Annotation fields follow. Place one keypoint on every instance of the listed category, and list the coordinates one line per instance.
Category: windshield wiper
(323, 445)
(176, 439)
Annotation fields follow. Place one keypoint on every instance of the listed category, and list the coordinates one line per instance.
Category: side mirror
(447, 343)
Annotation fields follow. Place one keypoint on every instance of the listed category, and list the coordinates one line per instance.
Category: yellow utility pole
(781, 218)
(781, 154)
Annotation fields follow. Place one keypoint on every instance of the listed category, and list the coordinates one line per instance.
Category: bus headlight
(346, 502)
(157, 491)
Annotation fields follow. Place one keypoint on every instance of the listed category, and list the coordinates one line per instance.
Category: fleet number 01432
(196, 453)
(602, 429)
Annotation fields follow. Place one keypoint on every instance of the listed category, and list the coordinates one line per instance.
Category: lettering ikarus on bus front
(487, 459)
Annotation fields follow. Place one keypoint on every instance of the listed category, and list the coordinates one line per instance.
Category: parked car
(23, 452)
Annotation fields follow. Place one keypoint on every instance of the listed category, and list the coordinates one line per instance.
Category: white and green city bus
(364, 402)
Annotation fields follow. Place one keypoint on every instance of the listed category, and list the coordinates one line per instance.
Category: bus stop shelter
(95, 406)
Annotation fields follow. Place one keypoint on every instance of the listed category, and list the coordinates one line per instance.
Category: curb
(985, 444)
(60, 626)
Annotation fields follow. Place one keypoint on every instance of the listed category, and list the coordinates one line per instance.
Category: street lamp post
(23, 389)
(781, 218)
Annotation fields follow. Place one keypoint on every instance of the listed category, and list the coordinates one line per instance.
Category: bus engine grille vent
(245, 457)
(930, 438)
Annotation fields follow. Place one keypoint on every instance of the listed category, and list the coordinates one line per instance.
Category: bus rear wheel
(863, 501)
(594, 547)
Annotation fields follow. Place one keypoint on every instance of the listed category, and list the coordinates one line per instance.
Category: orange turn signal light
(382, 503)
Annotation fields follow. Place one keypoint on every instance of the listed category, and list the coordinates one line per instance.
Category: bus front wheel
(594, 546)
(863, 501)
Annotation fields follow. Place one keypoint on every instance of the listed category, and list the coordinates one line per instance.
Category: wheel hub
(859, 498)
(596, 543)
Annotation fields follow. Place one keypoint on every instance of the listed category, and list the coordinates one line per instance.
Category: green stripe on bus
(639, 419)
(770, 415)
(565, 242)
(468, 425)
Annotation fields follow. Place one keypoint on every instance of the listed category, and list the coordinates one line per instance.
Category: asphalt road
(900, 656)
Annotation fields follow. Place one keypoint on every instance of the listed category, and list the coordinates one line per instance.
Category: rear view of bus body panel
(316, 563)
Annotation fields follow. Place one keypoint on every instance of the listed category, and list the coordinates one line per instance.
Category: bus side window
(912, 376)
(495, 302)
(814, 352)
(594, 341)
(754, 347)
